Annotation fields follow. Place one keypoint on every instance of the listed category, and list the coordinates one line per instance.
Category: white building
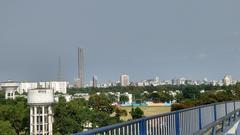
(140, 83)
(227, 80)
(124, 80)
(57, 86)
(26, 86)
(86, 96)
(41, 115)
(10, 87)
(67, 97)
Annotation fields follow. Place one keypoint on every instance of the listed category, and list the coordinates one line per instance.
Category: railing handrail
(215, 123)
(119, 125)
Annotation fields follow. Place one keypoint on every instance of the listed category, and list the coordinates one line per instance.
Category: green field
(148, 110)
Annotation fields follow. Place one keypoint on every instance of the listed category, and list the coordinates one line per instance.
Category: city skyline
(175, 39)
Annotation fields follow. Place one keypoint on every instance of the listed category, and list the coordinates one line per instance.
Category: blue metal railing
(183, 122)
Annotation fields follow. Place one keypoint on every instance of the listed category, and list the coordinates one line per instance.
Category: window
(46, 119)
(45, 110)
(39, 110)
(41, 127)
(39, 119)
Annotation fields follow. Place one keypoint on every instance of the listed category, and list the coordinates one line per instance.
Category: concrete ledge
(234, 130)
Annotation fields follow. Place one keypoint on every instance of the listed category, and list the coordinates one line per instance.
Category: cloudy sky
(142, 38)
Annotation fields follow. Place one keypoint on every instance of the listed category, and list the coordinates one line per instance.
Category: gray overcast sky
(176, 38)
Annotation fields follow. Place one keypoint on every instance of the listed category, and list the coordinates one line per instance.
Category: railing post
(215, 112)
(222, 128)
(226, 108)
(214, 130)
(200, 118)
(143, 127)
(234, 106)
(177, 123)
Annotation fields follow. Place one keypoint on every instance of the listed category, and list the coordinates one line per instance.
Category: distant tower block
(10, 88)
(80, 82)
(94, 81)
(60, 77)
(41, 116)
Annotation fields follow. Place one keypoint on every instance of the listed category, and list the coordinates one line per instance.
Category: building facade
(124, 80)
(227, 80)
(57, 86)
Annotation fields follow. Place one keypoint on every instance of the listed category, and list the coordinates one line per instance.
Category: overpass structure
(218, 118)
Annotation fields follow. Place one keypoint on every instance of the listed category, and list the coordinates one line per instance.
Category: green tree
(136, 113)
(154, 97)
(6, 128)
(113, 98)
(236, 91)
(19, 112)
(165, 96)
(224, 96)
(120, 112)
(123, 99)
(179, 97)
(66, 120)
(206, 98)
(101, 103)
(100, 119)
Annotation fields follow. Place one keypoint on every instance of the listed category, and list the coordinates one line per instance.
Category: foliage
(206, 98)
(136, 113)
(71, 117)
(101, 103)
(124, 99)
(6, 128)
(19, 113)
(2, 95)
(187, 91)
(120, 112)
(165, 96)
(178, 106)
(113, 98)
(154, 97)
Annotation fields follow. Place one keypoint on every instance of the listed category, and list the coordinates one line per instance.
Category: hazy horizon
(144, 39)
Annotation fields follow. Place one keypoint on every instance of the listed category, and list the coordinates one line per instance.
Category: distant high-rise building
(157, 79)
(227, 80)
(124, 80)
(94, 81)
(59, 78)
(80, 80)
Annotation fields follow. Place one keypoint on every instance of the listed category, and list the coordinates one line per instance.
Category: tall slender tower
(94, 81)
(59, 69)
(80, 81)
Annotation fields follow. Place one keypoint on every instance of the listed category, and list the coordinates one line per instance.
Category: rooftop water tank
(40, 96)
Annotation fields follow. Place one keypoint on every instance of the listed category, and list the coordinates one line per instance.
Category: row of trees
(138, 90)
(211, 96)
(163, 91)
